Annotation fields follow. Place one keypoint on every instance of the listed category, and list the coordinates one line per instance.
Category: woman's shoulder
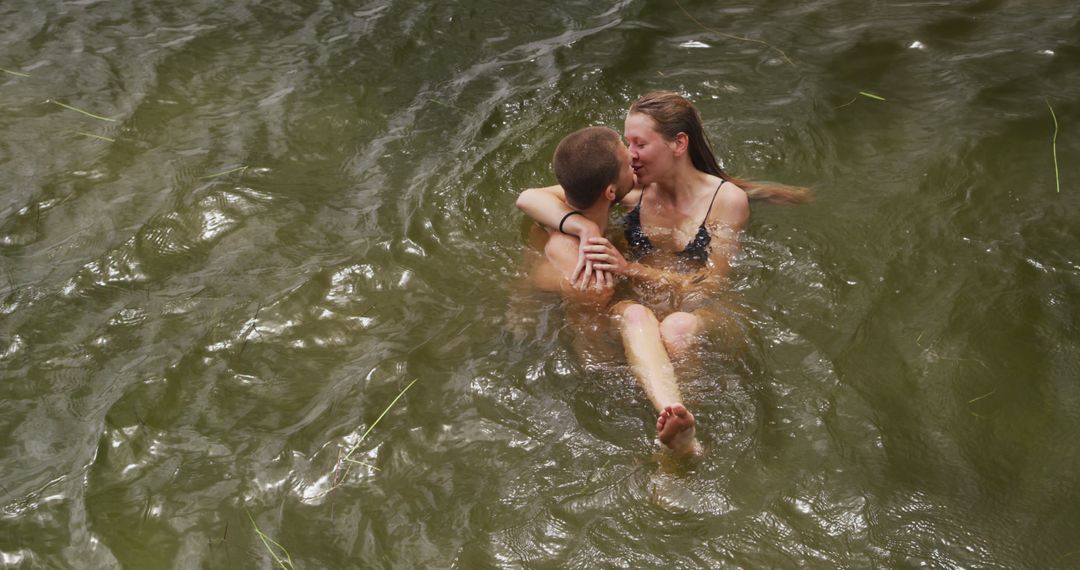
(730, 185)
(732, 192)
(731, 206)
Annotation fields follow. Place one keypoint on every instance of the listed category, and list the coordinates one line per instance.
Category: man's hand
(603, 256)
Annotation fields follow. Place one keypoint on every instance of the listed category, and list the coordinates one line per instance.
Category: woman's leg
(682, 330)
(652, 368)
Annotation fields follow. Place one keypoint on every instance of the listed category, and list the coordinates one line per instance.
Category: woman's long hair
(674, 114)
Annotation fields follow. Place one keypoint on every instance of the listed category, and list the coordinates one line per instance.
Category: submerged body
(682, 231)
(591, 317)
(596, 169)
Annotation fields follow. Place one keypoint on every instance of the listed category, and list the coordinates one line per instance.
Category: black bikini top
(697, 251)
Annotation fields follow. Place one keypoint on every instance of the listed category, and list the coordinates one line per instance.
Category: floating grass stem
(853, 99)
(734, 37)
(348, 456)
(358, 462)
(1053, 145)
(273, 546)
(240, 168)
(15, 73)
(93, 136)
(864, 94)
(78, 110)
(377, 420)
(986, 395)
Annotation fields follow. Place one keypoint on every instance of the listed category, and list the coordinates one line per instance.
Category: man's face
(626, 174)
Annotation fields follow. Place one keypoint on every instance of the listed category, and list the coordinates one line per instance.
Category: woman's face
(651, 156)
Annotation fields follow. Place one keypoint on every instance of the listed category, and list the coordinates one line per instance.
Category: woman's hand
(604, 256)
(548, 206)
(586, 273)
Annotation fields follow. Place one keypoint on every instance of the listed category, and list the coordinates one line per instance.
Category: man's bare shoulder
(562, 252)
(561, 258)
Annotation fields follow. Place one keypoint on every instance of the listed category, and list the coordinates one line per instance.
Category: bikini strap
(709, 211)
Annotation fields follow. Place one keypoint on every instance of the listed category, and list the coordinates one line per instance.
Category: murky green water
(301, 208)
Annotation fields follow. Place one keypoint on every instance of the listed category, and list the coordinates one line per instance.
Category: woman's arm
(727, 219)
(723, 246)
(632, 198)
(731, 213)
(547, 206)
(604, 256)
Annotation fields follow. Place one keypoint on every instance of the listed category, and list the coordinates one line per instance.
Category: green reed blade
(15, 73)
(1057, 176)
(347, 460)
(377, 420)
(77, 110)
(285, 563)
(871, 95)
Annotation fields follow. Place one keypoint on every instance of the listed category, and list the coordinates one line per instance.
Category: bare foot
(676, 427)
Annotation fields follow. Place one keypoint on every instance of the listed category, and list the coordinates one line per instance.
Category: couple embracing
(685, 215)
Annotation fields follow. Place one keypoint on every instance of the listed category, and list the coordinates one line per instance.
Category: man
(594, 172)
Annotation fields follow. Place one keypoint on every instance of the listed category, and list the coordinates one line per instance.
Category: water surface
(301, 208)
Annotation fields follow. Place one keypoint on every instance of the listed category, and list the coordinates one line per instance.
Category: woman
(681, 232)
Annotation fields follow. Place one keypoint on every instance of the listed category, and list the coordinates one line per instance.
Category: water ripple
(305, 207)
